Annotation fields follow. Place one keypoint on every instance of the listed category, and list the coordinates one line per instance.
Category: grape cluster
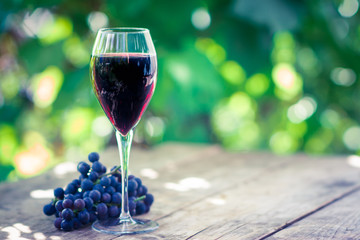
(96, 195)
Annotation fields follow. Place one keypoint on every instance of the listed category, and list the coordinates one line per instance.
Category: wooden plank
(259, 192)
(339, 220)
(255, 207)
(166, 202)
(18, 207)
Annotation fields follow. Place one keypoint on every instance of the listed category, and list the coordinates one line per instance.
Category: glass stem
(124, 145)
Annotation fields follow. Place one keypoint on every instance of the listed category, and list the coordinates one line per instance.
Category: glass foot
(117, 227)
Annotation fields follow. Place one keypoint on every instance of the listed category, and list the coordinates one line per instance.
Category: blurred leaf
(37, 57)
(57, 30)
(5, 171)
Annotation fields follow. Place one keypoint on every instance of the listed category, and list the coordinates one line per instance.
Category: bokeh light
(351, 138)
(343, 76)
(215, 52)
(232, 72)
(330, 118)
(97, 20)
(201, 19)
(287, 80)
(33, 160)
(76, 52)
(155, 127)
(348, 8)
(302, 110)
(102, 127)
(257, 84)
(46, 86)
(282, 142)
(34, 21)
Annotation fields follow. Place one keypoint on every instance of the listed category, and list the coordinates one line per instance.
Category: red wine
(124, 84)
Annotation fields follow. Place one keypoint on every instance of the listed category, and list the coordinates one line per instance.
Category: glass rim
(124, 30)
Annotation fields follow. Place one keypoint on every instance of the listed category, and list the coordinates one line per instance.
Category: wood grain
(258, 205)
(201, 192)
(340, 220)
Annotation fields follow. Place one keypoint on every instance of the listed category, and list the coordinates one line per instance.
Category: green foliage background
(279, 75)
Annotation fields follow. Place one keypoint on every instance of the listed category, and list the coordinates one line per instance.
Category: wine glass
(123, 71)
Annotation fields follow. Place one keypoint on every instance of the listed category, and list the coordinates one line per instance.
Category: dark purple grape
(106, 198)
(88, 203)
(138, 181)
(69, 196)
(116, 186)
(133, 212)
(119, 188)
(103, 169)
(113, 181)
(140, 208)
(86, 194)
(140, 191)
(79, 204)
(49, 209)
(132, 203)
(67, 214)
(57, 222)
(99, 188)
(93, 216)
(83, 168)
(87, 184)
(110, 190)
(78, 195)
(97, 167)
(70, 188)
(93, 157)
(105, 181)
(114, 211)
(131, 177)
(149, 199)
(102, 209)
(84, 217)
(116, 198)
(132, 185)
(147, 208)
(103, 217)
(93, 176)
(59, 193)
(133, 194)
(59, 206)
(67, 203)
(95, 195)
(76, 183)
(77, 223)
(144, 190)
(82, 177)
(67, 225)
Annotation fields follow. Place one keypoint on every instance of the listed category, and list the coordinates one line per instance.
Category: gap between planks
(322, 206)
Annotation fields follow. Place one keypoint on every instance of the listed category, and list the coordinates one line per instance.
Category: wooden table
(203, 192)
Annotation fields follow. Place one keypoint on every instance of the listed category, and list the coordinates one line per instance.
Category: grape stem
(140, 198)
(111, 172)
